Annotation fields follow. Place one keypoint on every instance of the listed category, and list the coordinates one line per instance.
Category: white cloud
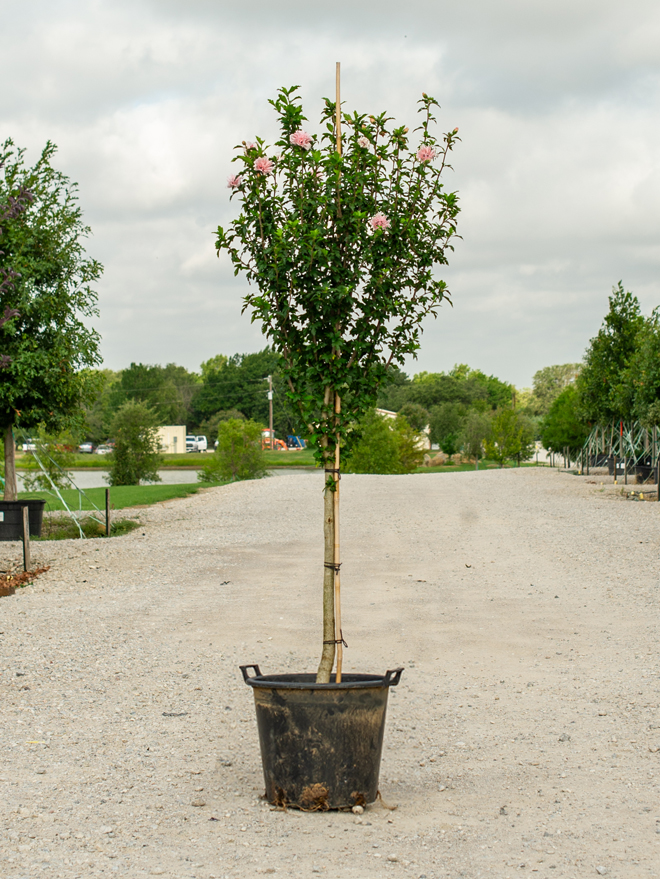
(558, 172)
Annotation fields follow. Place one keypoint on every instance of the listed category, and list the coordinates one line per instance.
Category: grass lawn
(462, 468)
(121, 497)
(193, 460)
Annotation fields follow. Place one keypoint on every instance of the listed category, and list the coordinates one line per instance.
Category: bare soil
(524, 738)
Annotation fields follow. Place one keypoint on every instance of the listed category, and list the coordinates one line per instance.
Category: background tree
(607, 357)
(239, 454)
(135, 457)
(446, 424)
(549, 382)
(46, 278)
(240, 383)
(563, 427)
(417, 416)
(168, 390)
(639, 383)
(340, 237)
(511, 437)
(474, 433)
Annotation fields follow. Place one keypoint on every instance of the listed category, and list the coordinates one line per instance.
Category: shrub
(239, 454)
(385, 446)
(135, 458)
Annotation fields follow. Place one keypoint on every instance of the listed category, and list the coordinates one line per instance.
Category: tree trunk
(328, 655)
(10, 464)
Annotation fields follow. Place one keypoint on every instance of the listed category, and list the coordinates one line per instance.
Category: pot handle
(244, 669)
(392, 677)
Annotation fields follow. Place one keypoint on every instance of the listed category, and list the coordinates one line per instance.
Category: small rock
(564, 737)
(40, 771)
(602, 713)
(393, 858)
(106, 829)
(357, 810)
(315, 870)
(198, 802)
(503, 810)
(601, 870)
(157, 871)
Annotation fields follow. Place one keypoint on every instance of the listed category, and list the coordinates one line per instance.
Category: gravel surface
(524, 738)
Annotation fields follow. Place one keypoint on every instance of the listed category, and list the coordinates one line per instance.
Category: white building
(172, 439)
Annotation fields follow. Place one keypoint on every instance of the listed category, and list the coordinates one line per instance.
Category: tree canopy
(606, 359)
(47, 279)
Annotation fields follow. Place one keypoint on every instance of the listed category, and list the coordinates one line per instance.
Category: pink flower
(249, 145)
(264, 165)
(363, 142)
(425, 153)
(233, 181)
(379, 221)
(302, 139)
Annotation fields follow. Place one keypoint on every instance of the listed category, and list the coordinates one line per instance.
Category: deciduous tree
(46, 282)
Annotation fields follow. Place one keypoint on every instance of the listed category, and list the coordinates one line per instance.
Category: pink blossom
(264, 165)
(249, 145)
(302, 139)
(363, 142)
(379, 221)
(233, 181)
(425, 153)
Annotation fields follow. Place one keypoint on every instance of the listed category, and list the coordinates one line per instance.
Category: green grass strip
(121, 496)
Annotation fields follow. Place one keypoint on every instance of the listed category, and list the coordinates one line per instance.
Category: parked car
(29, 445)
(104, 449)
(87, 448)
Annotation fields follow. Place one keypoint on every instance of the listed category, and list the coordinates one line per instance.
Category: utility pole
(270, 412)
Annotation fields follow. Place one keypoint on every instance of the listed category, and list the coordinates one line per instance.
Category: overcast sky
(558, 171)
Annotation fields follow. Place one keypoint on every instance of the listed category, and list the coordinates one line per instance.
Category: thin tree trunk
(328, 655)
(10, 464)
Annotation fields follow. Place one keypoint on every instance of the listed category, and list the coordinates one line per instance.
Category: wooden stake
(337, 555)
(338, 108)
(27, 561)
(107, 512)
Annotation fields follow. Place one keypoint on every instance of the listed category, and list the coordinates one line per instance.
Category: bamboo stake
(337, 554)
(338, 108)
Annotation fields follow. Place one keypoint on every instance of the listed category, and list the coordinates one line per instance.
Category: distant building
(172, 439)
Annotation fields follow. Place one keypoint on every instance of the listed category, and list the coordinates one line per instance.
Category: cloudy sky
(558, 170)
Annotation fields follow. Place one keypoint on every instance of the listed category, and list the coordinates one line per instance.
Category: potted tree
(340, 236)
(45, 292)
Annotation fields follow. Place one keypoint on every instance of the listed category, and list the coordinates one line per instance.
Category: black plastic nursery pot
(645, 473)
(321, 744)
(11, 518)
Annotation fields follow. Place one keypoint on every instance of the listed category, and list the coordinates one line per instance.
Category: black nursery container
(11, 518)
(321, 744)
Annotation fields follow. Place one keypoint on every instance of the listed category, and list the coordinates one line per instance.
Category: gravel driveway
(523, 740)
